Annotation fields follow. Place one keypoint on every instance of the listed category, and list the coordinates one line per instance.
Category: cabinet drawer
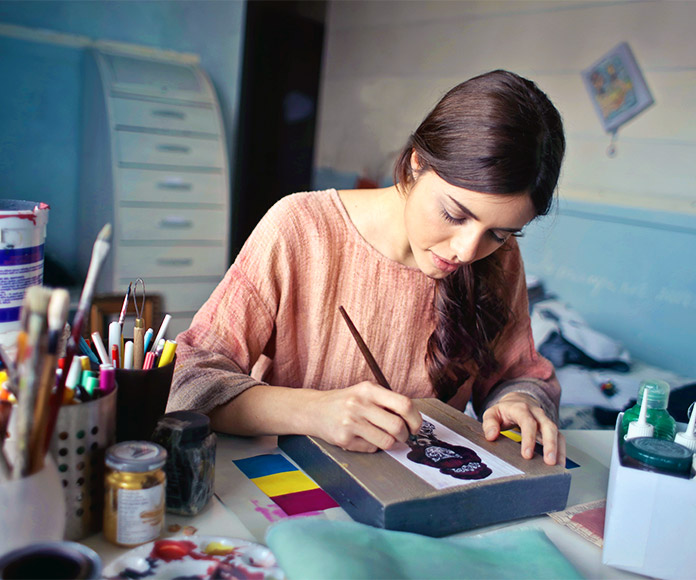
(171, 186)
(168, 150)
(172, 224)
(175, 262)
(164, 116)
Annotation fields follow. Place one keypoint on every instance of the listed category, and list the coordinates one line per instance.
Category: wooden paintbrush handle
(372, 363)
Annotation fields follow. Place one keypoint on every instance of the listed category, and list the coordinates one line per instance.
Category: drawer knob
(171, 148)
(176, 222)
(175, 184)
(174, 261)
(168, 114)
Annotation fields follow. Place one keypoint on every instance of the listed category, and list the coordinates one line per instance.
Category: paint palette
(203, 557)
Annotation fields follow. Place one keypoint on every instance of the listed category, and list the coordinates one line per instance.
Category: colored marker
(149, 361)
(128, 355)
(99, 344)
(148, 339)
(114, 356)
(162, 330)
(107, 379)
(115, 340)
(167, 353)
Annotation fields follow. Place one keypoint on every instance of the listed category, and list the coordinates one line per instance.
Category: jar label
(140, 516)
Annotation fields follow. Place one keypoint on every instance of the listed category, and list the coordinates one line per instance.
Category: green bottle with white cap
(656, 401)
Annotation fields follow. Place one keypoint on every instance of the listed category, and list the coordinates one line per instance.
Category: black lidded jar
(190, 468)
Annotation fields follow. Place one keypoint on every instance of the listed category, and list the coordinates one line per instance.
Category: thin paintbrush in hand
(371, 362)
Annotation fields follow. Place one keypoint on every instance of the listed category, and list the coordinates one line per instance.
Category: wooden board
(374, 488)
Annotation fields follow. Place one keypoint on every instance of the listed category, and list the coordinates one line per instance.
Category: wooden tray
(374, 488)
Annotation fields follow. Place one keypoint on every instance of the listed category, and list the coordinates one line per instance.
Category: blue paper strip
(262, 465)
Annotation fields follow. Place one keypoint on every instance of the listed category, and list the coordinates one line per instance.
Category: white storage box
(649, 525)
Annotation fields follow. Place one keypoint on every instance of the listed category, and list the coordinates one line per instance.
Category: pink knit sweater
(281, 297)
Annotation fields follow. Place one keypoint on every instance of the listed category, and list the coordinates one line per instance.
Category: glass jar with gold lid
(135, 484)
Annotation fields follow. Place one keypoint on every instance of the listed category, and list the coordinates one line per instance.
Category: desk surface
(240, 510)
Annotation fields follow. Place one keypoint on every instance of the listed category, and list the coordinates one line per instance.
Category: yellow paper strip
(282, 483)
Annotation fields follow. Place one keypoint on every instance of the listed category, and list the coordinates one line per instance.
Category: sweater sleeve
(232, 329)
(522, 368)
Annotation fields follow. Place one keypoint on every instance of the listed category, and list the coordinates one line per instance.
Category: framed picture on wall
(617, 88)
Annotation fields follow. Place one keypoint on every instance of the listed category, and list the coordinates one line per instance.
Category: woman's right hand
(364, 417)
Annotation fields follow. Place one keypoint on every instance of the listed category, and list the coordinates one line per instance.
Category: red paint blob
(169, 550)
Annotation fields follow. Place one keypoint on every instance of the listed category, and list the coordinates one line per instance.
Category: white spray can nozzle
(641, 427)
(688, 437)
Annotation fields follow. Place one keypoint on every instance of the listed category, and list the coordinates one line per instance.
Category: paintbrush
(124, 308)
(29, 368)
(5, 413)
(11, 383)
(58, 307)
(371, 362)
(99, 252)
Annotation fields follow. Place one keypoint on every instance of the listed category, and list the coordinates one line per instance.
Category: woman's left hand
(523, 411)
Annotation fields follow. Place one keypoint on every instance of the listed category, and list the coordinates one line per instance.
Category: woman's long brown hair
(496, 133)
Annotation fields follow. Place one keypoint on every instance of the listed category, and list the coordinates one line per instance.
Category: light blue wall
(40, 96)
(630, 273)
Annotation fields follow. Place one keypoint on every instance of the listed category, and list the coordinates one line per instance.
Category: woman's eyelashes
(500, 239)
(452, 219)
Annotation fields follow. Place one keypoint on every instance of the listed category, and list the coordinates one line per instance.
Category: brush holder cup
(82, 434)
(142, 400)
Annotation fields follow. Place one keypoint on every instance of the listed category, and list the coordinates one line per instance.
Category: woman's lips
(442, 264)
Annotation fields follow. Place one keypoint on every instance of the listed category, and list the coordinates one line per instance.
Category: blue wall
(628, 271)
(40, 97)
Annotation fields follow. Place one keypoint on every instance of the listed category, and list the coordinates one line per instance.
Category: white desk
(240, 510)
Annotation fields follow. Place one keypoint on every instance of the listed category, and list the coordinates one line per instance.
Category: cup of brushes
(31, 495)
(143, 370)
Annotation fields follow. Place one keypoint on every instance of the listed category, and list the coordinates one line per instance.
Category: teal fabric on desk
(312, 548)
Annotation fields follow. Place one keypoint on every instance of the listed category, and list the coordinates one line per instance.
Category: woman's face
(448, 226)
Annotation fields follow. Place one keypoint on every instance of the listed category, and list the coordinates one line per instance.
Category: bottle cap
(136, 456)
(688, 437)
(658, 393)
(641, 427)
(660, 454)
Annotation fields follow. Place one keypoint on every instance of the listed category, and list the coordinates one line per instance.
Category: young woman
(428, 270)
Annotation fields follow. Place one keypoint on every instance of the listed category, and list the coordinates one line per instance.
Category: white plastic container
(22, 237)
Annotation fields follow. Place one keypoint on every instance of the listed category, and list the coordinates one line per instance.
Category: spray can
(22, 237)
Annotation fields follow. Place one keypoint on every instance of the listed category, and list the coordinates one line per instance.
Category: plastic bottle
(641, 427)
(687, 438)
(657, 415)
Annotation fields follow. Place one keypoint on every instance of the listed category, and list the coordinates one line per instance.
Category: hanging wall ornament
(617, 89)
